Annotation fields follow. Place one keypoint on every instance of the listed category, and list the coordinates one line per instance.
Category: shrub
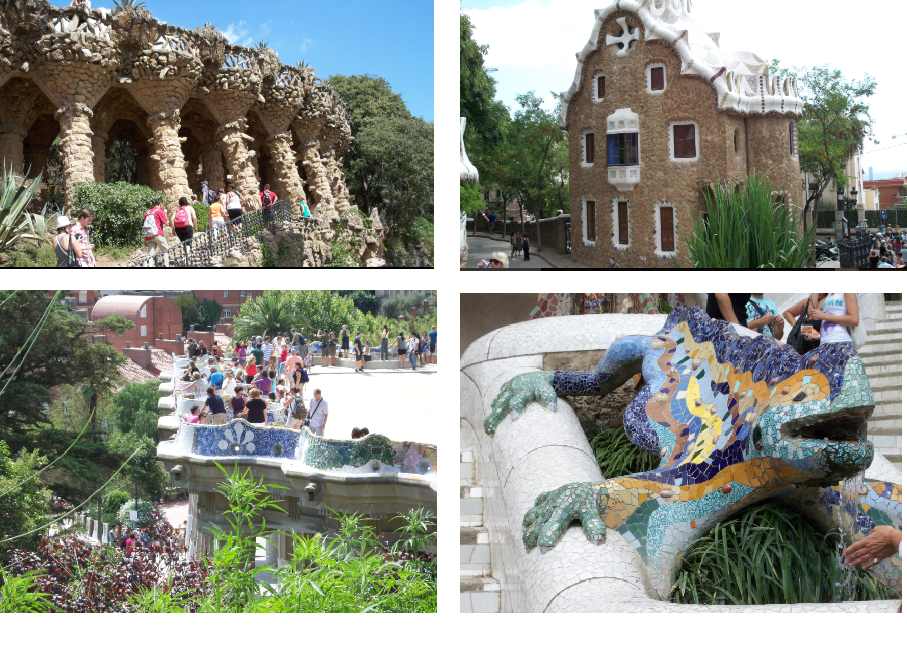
(32, 255)
(399, 304)
(119, 210)
(147, 513)
(201, 212)
(113, 501)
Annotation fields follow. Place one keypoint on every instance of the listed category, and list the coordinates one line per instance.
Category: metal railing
(218, 241)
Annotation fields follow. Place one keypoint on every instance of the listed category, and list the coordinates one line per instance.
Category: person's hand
(879, 544)
(815, 313)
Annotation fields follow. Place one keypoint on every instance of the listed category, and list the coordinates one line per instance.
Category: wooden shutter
(667, 228)
(684, 141)
(590, 221)
(590, 147)
(601, 87)
(613, 156)
(623, 224)
(658, 78)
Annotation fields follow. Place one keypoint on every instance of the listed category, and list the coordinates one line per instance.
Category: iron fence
(855, 252)
(218, 241)
(873, 218)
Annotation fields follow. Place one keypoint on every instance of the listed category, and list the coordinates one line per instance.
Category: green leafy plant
(128, 5)
(20, 595)
(119, 210)
(768, 554)
(17, 224)
(748, 228)
(267, 256)
(32, 254)
(615, 453)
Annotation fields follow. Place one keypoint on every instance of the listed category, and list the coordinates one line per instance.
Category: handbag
(308, 420)
(796, 338)
(71, 260)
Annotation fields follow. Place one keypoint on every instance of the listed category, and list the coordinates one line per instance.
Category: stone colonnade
(70, 62)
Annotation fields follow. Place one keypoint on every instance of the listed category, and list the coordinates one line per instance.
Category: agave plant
(17, 224)
(128, 5)
(262, 45)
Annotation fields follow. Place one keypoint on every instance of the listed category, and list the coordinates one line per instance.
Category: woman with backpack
(234, 203)
(153, 228)
(185, 221)
(66, 246)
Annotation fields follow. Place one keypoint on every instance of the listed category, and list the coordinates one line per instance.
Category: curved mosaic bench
(722, 411)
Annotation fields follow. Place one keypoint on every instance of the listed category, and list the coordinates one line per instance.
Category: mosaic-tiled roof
(740, 78)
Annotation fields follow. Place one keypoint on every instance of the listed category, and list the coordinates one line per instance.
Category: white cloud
(305, 45)
(236, 32)
(265, 28)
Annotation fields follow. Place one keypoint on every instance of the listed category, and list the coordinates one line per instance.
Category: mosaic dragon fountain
(734, 420)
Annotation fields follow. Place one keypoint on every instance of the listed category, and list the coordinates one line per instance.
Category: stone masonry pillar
(168, 155)
(287, 183)
(12, 137)
(213, 167)
(233, 138)
(338, 183)
(316, 174)
(75, 146)
(99, 145)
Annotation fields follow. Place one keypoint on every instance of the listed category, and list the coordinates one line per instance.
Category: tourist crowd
(887, 248)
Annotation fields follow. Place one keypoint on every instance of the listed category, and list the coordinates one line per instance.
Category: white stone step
(480, 595)
(880, 356)
(893, 313)
(887, 407)
(475, 552)
(883, 335)
(884, 422)
(889, 444)
(886, 392)
(884, 346)
(471, 506)
(887, 325)
(883, 369)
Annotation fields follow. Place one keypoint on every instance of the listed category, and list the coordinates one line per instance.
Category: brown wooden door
(667, 228)
(590, 221)
(623, 224)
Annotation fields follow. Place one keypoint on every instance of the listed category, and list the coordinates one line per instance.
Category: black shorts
(358, 357)
(401, 351)
(183, 232)
(233, 213)
(345, 346)
(432, 347)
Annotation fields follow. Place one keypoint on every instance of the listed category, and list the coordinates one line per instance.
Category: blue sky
(393, 39)
(533, 43)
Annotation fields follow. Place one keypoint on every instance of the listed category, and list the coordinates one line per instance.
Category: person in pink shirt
(193, 417)
(80, 231)
(290, 365)
(160, 218)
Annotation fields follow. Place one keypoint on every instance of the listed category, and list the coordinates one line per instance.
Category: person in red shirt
(268, 199)
(160, 218)
(251, 370)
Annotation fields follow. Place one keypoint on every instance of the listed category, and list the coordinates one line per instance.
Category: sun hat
(62, 220)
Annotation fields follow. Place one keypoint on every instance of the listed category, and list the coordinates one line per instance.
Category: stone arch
(117, 116)
(261, 160)
(198, 119)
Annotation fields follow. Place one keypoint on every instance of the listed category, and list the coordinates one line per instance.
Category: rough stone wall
(662, 181)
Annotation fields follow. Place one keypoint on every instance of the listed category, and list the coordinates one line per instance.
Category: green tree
(23, 502)
(189, 307)
(269, 314)
(537, 139)
(63, 353)
(834, 125)
(209, 312)
(364, 300)
(477, 91)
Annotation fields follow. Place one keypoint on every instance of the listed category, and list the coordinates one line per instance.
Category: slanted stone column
(316, 174)
(337, 180)
(75, 146)
(213, 166)
(238, 157)
(287, 183)
(99, 145)
(12, 137)
(167, 154)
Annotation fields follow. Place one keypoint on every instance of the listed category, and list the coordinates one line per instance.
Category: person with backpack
(153, 229)
(208, 196)
(185, 221)
(268, 199)
(66, 247)
(295, 407)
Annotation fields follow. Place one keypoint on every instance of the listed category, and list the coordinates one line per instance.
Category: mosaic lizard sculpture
(734, 420)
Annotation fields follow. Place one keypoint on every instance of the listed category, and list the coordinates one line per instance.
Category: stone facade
(634, 81)
(193, 107)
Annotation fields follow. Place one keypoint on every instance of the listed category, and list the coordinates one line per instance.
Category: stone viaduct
(188, 102)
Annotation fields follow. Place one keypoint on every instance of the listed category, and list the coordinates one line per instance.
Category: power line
(884, 148)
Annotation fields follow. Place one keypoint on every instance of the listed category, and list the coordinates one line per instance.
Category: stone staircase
(479, 591)
(882, 357)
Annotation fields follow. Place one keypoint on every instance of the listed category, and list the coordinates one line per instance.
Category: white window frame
(682, 123)
(143, 330)
(585, 223)
(615, 231)
(595, 97)
(658, 250)
(242, 293)
(583, 141)
(228, 314)
(144, 312)
(83, 297)
(655, 64)
(226, 294)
